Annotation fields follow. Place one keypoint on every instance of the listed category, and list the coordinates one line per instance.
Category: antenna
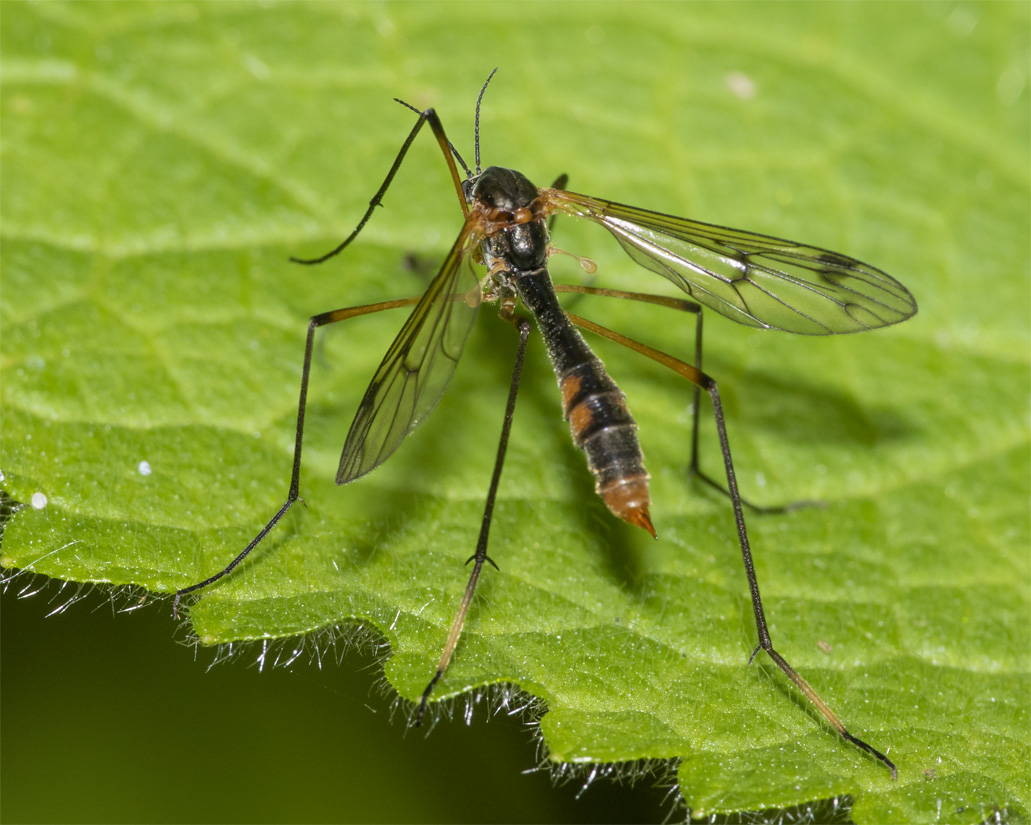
(479, 100)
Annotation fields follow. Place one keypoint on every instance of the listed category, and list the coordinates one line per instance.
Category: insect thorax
(511, 222)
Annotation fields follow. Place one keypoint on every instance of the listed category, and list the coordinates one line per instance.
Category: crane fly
(756, 280)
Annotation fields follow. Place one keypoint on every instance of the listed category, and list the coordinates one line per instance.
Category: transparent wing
(417, 367)
(753, 279)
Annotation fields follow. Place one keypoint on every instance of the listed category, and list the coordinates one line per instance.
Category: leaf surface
(160, 164)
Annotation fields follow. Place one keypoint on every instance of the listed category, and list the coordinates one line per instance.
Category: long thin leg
(703, 381)
(295, 478)
(696, 310)
(695, 469)
(429, 116)
(480, 556)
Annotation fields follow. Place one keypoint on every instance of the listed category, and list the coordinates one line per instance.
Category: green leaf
(160, 164)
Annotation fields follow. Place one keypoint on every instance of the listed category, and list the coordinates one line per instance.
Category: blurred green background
(104, 717)
(106, 720)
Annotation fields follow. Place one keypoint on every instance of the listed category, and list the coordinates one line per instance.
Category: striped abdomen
(593, 405)
(603, 428)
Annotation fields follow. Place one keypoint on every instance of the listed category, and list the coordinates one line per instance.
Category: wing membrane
(756, 280)
(417, 367)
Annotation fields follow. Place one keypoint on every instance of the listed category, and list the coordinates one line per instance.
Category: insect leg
(694, 468)
(294, 493)
(703, 381)
(429, 116)
(480, 556)
(696, 310)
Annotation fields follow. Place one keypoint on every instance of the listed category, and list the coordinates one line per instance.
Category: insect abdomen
(604, 429)
(594, 406)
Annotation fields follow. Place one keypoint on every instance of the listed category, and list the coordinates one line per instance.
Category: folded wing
(417, 367)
